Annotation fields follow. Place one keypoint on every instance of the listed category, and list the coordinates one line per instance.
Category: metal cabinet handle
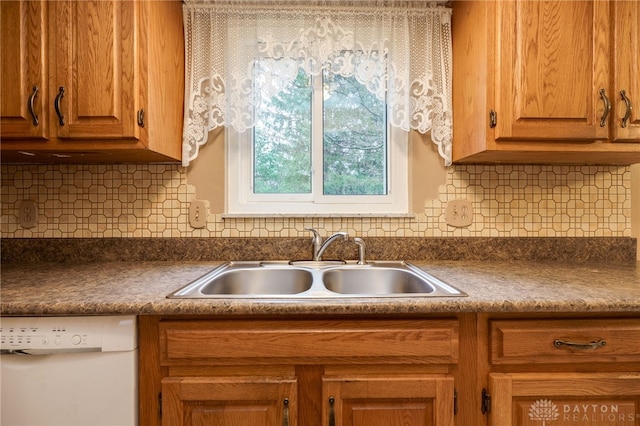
(32, 110)
(285, 403)
(607, 108)
(56, 104)
(558, 343)
(332, 414)
(627, 114)
(141, 118)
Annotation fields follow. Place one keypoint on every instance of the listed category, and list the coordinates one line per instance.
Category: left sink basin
(248, 280)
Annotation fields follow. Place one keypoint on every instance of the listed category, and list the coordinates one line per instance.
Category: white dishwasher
(67, 371)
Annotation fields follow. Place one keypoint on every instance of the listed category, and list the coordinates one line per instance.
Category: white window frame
(241, 201)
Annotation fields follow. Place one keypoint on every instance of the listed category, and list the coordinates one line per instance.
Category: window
(321, 144)
(317, 99)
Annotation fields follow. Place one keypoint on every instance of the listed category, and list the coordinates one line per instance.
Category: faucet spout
(319, 246)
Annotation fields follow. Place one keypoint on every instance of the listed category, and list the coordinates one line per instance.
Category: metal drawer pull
(607, 108)
(56, 104)
(285, 422)
(627, 114)
(332, 414)
(32, 110)
(584, 346)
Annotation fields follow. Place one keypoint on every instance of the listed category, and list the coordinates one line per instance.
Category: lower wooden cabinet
(299, 372)
(570, 372)
(374, 400)
(472, 369)
(259, 401)
(388, 401)
(564, 399)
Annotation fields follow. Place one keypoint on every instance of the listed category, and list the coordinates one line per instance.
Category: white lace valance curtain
(401, 51)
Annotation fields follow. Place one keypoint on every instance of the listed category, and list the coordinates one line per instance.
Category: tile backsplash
(98, 201)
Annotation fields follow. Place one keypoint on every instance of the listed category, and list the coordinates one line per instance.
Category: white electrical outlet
(198, 211)
(28, 214)
(459, 213)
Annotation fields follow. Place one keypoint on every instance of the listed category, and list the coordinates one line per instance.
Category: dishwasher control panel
(69, 334)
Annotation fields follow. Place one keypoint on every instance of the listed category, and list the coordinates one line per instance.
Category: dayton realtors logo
(547, 412)
(543, 410)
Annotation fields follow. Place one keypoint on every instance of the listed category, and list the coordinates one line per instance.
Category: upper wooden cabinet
(24, 79)
(92, 81)
(541, 82)
(626, 67)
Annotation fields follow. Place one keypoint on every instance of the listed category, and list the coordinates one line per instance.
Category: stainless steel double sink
(315, 279)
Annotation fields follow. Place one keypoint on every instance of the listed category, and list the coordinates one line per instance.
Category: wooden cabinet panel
(388, 401)
(626, 65)
(191, 401)
(551, 63)
(24, 70)
(564, 341)
(603, 399)
(233, 342)
(96, 65)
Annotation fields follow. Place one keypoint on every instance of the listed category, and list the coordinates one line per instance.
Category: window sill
(318, 215)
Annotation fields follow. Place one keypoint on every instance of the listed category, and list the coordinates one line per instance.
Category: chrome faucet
(319, 246)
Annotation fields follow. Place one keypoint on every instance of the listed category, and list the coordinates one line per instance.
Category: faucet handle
(316, 240)
(315, 232)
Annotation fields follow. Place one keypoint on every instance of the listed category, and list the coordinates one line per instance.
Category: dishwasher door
(69, 371)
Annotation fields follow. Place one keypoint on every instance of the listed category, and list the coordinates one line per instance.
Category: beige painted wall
(206, 172)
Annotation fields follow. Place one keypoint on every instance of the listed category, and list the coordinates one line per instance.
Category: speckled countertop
(141, 287)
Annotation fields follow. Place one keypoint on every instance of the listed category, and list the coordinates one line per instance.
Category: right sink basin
(385, 279)
(375, 281)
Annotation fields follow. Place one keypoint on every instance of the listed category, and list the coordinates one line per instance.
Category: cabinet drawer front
(565, 341)
(255, 342)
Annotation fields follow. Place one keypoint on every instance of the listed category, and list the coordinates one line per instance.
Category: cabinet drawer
(307, 342)
(564, 341)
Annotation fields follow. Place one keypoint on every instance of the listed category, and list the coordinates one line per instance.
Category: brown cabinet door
(229, 401)
(419, 400)
(563, 399)
(24, 96)
(96, 79)
(552, 60)
(626, 71)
